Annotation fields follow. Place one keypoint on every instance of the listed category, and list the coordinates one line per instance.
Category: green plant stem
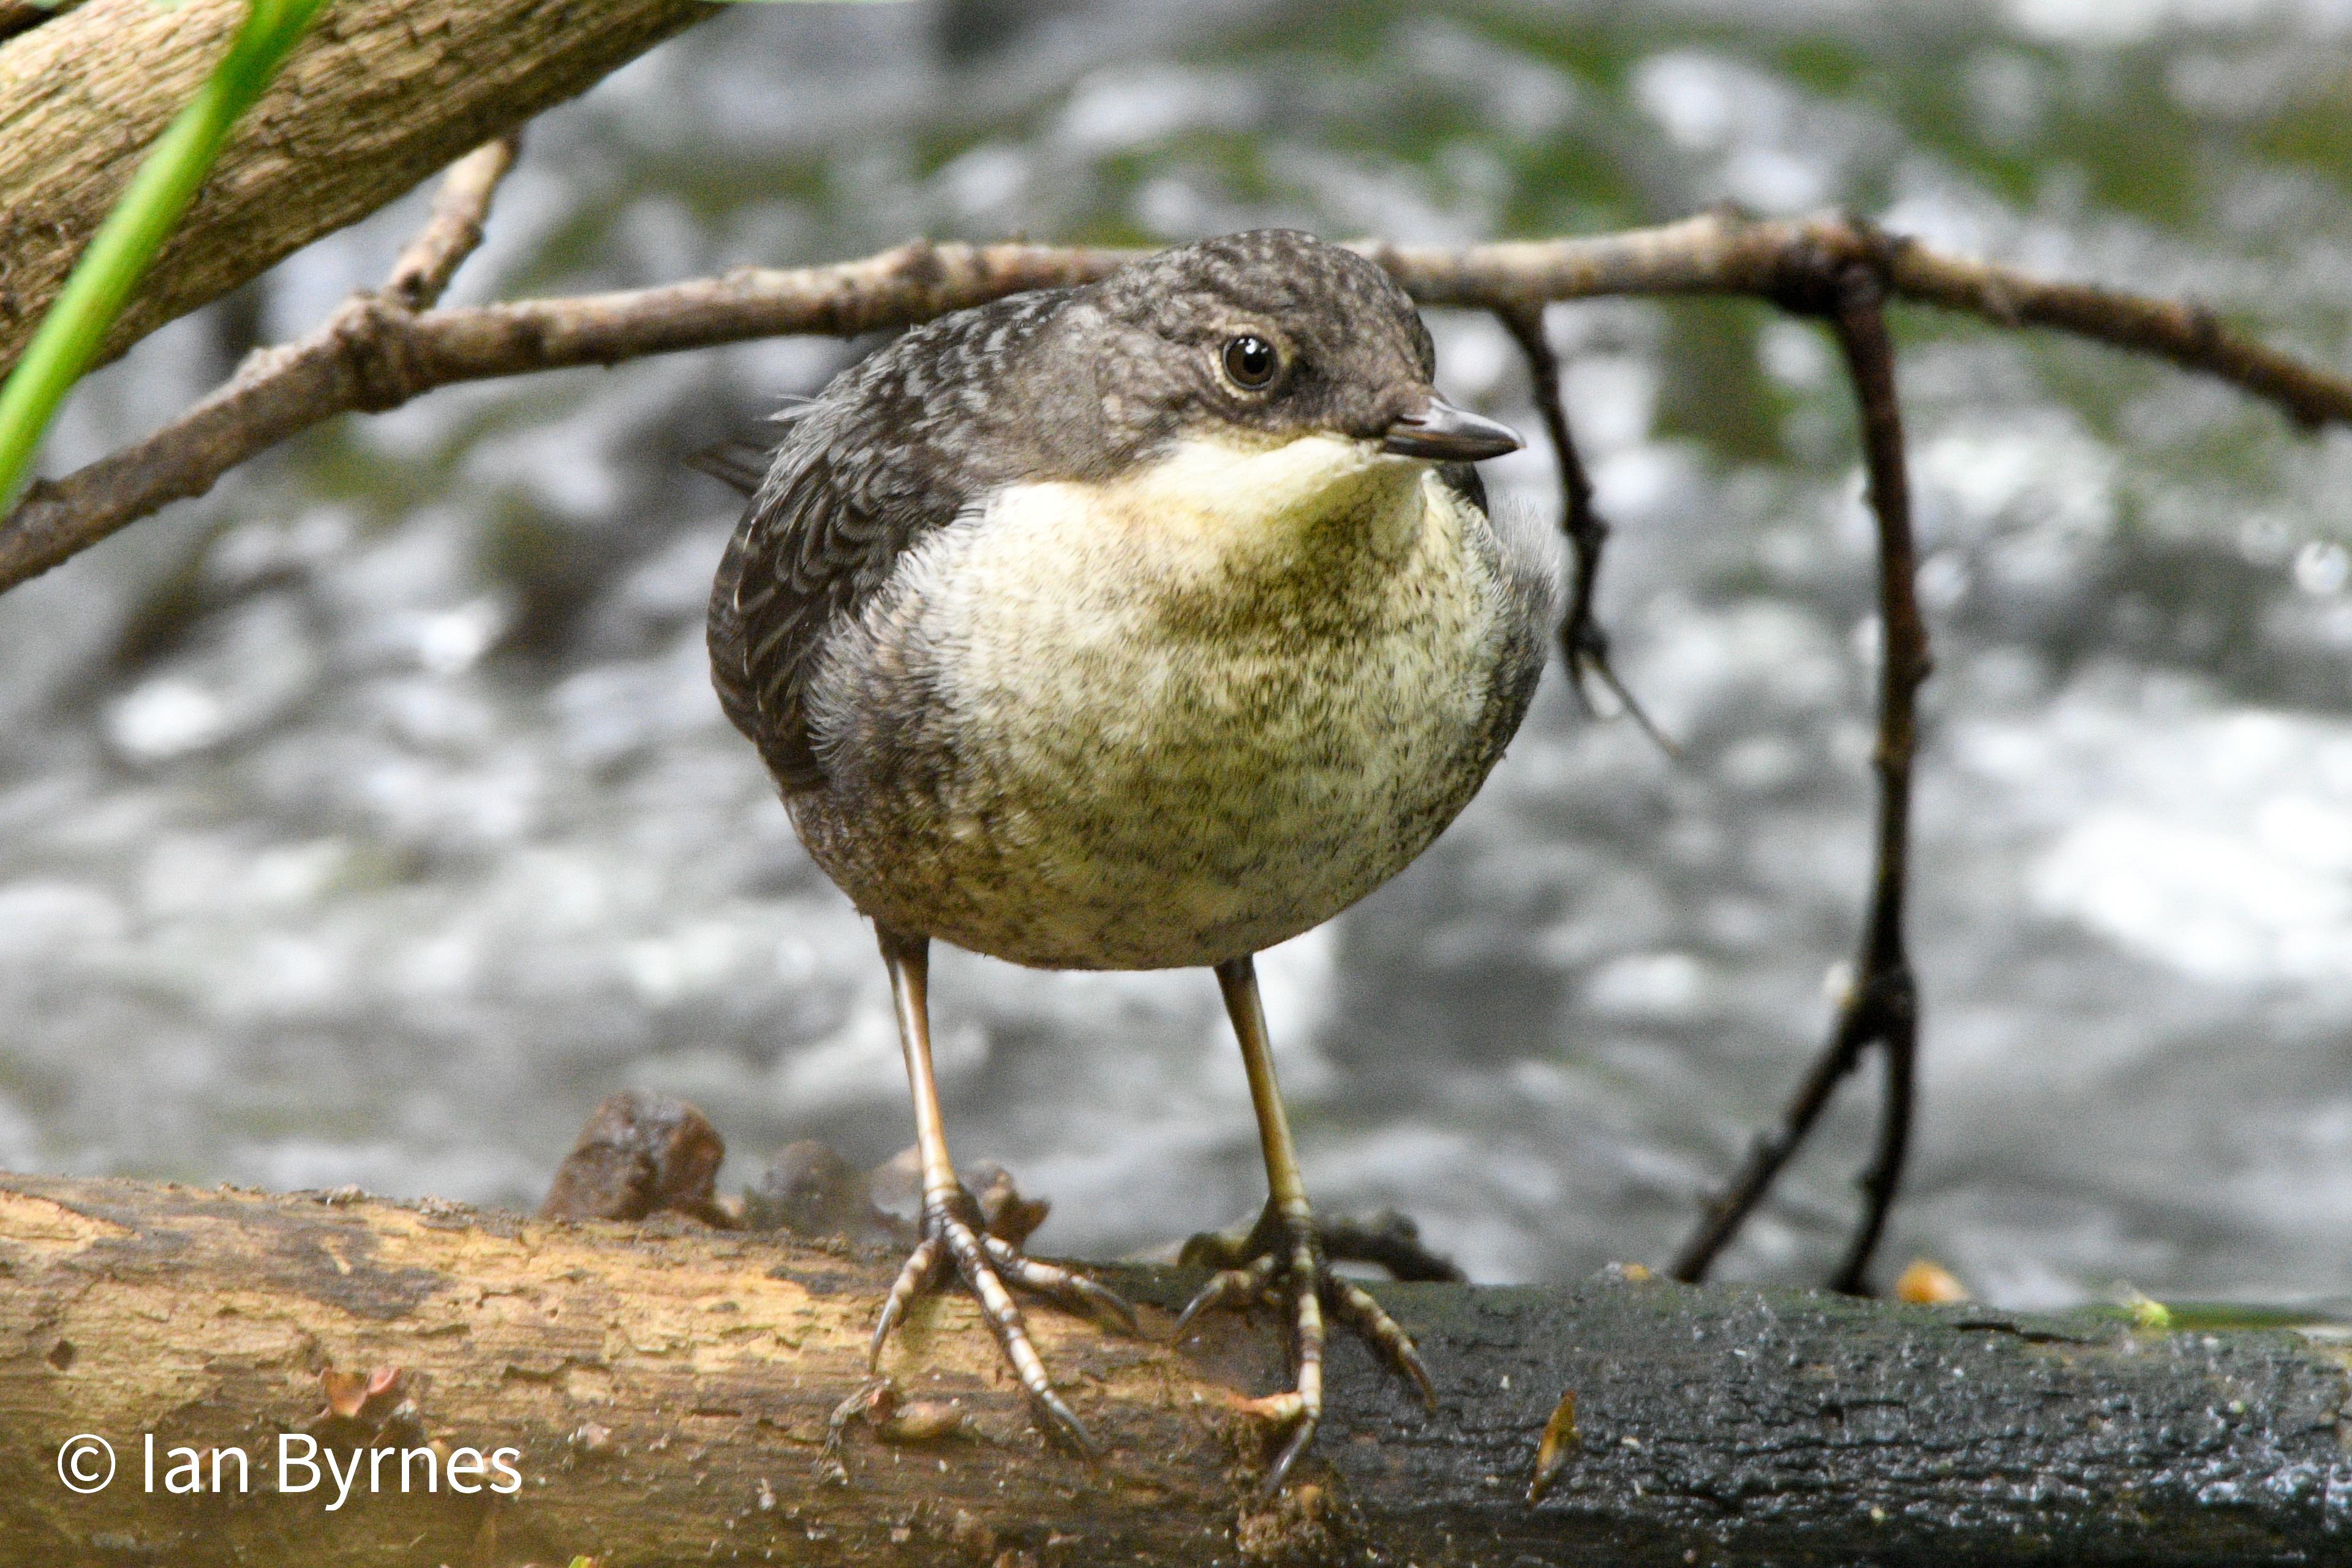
(119, 255)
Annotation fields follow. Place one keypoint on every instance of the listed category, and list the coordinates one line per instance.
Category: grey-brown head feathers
(1353, 354)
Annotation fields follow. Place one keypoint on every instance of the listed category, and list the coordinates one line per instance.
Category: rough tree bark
(669, 1392)
(379, 97)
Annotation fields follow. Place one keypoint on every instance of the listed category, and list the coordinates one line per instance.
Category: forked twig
(460, 206)
(1882, 1005)
(1584, 640)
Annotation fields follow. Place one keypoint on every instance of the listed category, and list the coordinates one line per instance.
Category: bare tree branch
(373, 355)
(1882, 1005)
(2189, 335)
(378, 351)
(1721, 253)
(1887, 996)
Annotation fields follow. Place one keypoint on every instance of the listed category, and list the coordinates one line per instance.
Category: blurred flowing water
(370, 819)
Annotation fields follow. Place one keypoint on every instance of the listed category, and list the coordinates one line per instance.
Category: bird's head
(1263, 338)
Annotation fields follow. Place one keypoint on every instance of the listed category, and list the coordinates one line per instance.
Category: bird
(1144, 624)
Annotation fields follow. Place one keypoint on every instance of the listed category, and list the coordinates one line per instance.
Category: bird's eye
(1251, 361)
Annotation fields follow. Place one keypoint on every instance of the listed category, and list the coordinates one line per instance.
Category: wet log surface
(667, 1390)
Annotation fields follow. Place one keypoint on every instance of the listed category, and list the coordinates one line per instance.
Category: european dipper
(1129, 626)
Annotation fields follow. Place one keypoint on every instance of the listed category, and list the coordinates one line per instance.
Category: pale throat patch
(1220, 498)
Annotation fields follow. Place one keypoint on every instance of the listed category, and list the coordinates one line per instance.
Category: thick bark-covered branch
(671, 1394)
(380, 95)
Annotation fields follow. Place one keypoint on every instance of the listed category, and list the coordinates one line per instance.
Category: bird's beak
(1445, 434)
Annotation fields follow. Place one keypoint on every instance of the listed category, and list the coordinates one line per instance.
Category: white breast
(1198, 711)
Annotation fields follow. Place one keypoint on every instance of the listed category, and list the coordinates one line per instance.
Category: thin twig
(371, 356)
(1720, 1219)
(1584, 640)
(1891, 992)
(1882, 1006)
(1721, 253)
(459, 208)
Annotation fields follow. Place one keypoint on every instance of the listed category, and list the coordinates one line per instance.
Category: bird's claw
(1230, 1287)
(954, 1237)
(1067, 1286)
(1290, 1267)
(1367, 1317)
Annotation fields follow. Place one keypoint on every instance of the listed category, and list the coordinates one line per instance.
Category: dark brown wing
(897, 446)
(806, 552)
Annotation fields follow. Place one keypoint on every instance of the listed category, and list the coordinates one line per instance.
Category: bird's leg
(954, 1234)
(1283, 1258)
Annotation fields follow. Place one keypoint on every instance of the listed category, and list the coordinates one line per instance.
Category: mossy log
(667, 1393)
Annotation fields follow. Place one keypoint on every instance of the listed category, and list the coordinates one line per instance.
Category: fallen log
(661, 1392)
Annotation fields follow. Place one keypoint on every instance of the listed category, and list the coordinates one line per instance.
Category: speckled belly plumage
(1075, 740)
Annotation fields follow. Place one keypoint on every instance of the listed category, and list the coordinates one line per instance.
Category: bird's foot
(1282, 1263)
(956, 1238)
